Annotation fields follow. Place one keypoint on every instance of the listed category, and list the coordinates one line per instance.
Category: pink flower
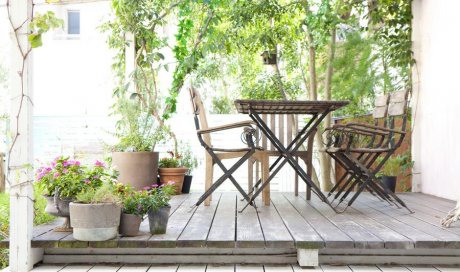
(65, 163)
(53, 163)
(65, 171)
(171, 182)
(56, 175)
(154, 185)
(99, 164)
(146, 188)
(87, 181)
(48, 169)
(77, 163)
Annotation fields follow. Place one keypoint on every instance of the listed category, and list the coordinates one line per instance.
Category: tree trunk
(326, 164)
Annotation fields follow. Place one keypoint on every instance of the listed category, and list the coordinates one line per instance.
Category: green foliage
(137, 130)
(40, 24)
(187, 158)
(134, 202)
(104, 194)
(40, 217)
(158, 196)
(221, 105)
(174, 161)
(397, 165)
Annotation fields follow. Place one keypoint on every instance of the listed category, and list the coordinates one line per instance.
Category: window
(73, 22)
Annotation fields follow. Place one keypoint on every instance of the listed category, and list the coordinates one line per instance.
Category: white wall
(72, 74)
(436, 84)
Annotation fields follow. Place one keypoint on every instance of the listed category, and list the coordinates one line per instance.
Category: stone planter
(94, 222)
(129, 224)
(389, 183)
(57, 206)
(139, 169)
(187, 184)
(173, 174)
(158, 220)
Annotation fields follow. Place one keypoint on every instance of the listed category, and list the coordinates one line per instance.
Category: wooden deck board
(361, 236)
(450, 240)
(303, 233)
(275, 232)
(333, 237)
(222, 232)
(248, 230)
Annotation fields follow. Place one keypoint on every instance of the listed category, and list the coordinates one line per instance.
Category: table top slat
(287, 106)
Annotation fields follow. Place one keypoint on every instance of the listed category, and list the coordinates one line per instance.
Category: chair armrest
(382, 129)
(346, 129)
(226, 127)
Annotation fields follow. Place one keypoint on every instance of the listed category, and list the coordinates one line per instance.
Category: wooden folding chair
(285, 126)
(356, 147)
(215, 154)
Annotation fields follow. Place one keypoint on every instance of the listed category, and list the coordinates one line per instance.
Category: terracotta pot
(158, 220)
(139, 169)
(187, 184)
(173, 174)
(94, 222)
(129, 224)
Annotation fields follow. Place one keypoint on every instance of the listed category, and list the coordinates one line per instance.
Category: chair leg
(296, 180)
(209, 177)
(307, 161)
(251, 162)
(265, 173)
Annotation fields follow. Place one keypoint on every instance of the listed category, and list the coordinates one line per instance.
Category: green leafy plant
(396, 165)
(174, 161)
(158, 196)
(40, 24)
(188, 159)
(104, 194)
(136, 130)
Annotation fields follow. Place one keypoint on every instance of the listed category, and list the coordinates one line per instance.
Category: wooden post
(20, 175)
(2, 173)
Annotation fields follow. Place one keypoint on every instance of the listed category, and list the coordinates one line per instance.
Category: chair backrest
(201, 121)
(284, 126)
(397, 115)
(381, 107)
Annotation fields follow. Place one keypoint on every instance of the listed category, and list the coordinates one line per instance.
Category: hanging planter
(268, 57)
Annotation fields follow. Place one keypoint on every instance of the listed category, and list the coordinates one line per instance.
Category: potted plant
(157, 204)
(395, 166)
(95, 215)
(189, 161)
(133, 209)
(171, 170)
(134, 156)
(60, 181)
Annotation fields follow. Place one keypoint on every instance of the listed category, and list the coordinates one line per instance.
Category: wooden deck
(370, 232)
(240, 268)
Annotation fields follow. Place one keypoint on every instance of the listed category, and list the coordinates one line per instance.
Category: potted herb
(157, 204)
(134, 156)
(189, 161)
(171, 170)
(133, 210)
(95, 215)
(395, 166)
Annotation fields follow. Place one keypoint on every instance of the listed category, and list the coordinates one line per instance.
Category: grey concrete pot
(94, 222)
(158, 220)
(139, 169)
(129, 224)
(57, 206)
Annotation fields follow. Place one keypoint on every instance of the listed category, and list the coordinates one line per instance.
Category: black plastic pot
(187, 184)
(389, 182)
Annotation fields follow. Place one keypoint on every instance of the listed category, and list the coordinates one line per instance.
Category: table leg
(265, 175)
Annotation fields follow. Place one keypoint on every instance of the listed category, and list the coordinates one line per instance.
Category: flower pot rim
(94, 204)
(60, 198)
(172, 168)
(131, 152)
